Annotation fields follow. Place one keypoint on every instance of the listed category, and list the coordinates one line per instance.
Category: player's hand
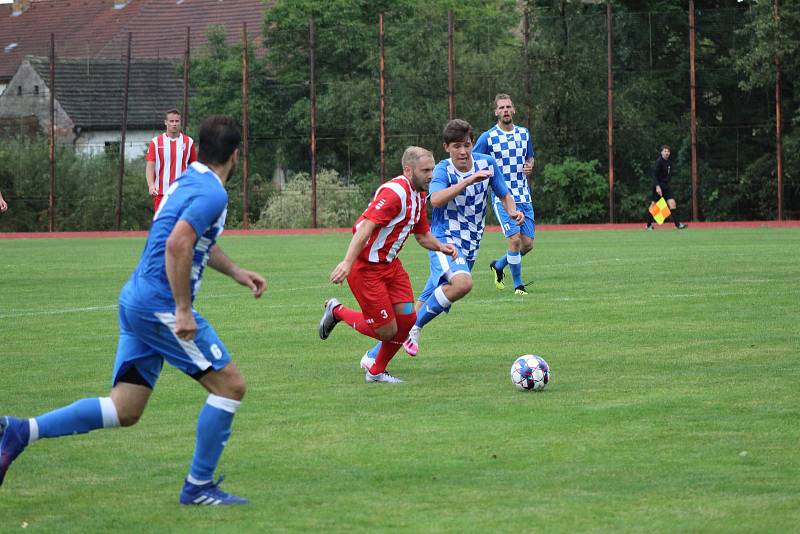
(340, 273)
(256, 282)
(527, 169)
(3, 205)
(658, 190)
(518, 216)
(153, 190)
(185, 325)
(481, 175)
(450, 250)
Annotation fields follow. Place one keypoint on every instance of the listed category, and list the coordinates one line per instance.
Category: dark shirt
(662, 171)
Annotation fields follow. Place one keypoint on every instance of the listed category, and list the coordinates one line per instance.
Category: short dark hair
(219, 137)
(171, 112)
(456, 130)
(665, 146)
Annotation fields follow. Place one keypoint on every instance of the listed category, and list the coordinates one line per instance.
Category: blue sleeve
(440, 180)
(482, 145)
(498, 180)
(531, 151)
(205, 209)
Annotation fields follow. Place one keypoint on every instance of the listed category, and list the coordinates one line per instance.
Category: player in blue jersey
(512, 148)
(157, 322)
(459, 194)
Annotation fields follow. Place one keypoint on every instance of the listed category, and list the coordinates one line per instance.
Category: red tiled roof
(94, 28)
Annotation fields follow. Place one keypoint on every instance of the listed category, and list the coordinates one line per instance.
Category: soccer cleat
(208, 495)
(328, 321)
(14, 435)
(520, 290)
(498, 276)
(367, 361)
(381, 377)
(411, 344)
(681, 226)
(649, 227)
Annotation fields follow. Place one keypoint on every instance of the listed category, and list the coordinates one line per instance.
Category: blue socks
(79, 417)
(213, 431)
(515, 266)
(436, 304)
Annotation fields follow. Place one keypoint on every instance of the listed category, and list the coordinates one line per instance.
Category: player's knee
(387, 332)
(128, 416)
(514, 242)
(236, 388)
(527, 246)
(461, 286)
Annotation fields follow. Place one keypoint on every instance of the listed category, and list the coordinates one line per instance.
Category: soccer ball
(530, 372)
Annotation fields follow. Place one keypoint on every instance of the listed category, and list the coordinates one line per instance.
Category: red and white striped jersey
(398, 211)
(172, 157)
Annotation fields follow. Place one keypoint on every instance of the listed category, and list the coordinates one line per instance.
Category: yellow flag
(660, 210)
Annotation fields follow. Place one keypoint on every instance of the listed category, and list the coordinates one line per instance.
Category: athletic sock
(213, 431)
(79, 417)
(675, 219)
(388, 349)
(515, 265)
(650, 219)
(355, 319)
(501, 263)
(436, 304)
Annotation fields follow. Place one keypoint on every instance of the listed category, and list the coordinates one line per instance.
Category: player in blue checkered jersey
(512, 147)
(157, 322)
(459, 194)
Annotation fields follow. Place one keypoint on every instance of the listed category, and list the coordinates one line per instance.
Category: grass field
(674, 403)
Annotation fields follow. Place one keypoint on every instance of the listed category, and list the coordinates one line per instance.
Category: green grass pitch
(674, 403)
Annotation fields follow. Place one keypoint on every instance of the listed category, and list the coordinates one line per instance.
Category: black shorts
(666, 192)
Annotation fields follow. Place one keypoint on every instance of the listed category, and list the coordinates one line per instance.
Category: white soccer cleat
(367, 361)
(381, 377)
(411, 344)
(328, 321)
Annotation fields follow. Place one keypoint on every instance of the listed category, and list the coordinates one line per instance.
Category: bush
(572, 192)
(338, 205)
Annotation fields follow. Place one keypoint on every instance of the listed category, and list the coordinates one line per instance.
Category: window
(19, 90)
(36, 89)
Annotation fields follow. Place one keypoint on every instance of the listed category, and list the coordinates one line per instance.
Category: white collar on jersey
(199, 167)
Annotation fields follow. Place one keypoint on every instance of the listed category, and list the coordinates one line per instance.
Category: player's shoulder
(483, 157)
(187, 138)
(522, 130)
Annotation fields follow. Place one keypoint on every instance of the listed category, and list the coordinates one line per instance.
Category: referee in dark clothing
(661, 188)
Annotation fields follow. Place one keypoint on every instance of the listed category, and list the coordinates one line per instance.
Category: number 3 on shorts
(384, 314)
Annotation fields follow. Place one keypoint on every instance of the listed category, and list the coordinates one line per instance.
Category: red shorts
(377, 287)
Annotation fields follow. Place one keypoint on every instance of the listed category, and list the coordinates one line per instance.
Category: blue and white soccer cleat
(208, 495)
(14, 436)
(328, 321)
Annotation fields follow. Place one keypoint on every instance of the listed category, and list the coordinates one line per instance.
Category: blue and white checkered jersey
(197, 197)
(511, 150)
(460, 222)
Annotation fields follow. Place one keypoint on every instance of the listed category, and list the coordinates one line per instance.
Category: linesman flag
(660, 211)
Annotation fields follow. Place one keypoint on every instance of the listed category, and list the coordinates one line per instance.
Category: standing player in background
(157, 322)
(661, 188)
(512, 148)
(168, 155)
(375, 275)
(459, 194)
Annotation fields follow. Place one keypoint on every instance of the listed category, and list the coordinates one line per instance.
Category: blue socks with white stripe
(213, 431)
(79, 417)
(515, 266)
(436, 304)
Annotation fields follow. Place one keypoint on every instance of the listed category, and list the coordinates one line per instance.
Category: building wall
(26, 95)
(94, 143)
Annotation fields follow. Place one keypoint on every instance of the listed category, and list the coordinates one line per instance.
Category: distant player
(512, 148)
(157, 322)
(375, 275)
(662, 171)
(168, 155)
(459, 194)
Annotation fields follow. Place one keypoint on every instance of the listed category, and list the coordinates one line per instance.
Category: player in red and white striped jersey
(168, 155)
(375, 275)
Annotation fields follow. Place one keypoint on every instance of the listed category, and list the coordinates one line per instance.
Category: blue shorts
(146, 339)
(443, 268)
(509, 225)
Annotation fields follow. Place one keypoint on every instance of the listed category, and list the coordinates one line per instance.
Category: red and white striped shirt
(398, 211)
(172, 157)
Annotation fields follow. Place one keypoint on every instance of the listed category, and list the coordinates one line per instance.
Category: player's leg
(523, 244)
(135, 362)
(205, 359)
(510, 229)
(649, 217)
(673, 208)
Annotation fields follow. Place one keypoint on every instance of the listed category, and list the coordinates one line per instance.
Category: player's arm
(500, 189)
(3, 205)
(178, 259)
(527, 168)
(511, 208)
(428, 241)
(360, 238)
(219, 261)
(443, 196)
(150, 169)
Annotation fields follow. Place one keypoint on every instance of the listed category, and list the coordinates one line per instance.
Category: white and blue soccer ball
(530, 372)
